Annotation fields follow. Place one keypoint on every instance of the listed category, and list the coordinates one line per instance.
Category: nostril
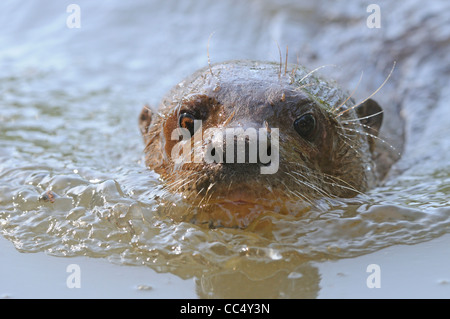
(213, 151)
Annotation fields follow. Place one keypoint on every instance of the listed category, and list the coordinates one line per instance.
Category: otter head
(241, 138)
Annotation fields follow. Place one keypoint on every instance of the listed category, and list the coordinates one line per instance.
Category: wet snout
(242, 143)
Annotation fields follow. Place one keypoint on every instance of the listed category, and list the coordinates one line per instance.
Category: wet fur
(339, 165)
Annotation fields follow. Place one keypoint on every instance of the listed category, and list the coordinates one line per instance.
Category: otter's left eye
(306, 126)
(186, 120)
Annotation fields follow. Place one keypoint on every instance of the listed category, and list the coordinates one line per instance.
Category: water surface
(68, 112)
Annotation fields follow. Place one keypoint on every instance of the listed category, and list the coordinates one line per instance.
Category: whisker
(358, 152)
(376, 91)
(311, 186)
(207, 52)
(334, 109)
(294, 70)
(285, 62)
(198, 193)
(362, 118)
(363, 125)
(229, 186)
(315, 70)
(281, 59)
(338, 182)
(365, 133)
(206, 194)
(180, 183)
(299, 164)
(302, 197)
(228, 120)
(349, 187)
(373, 136)
(303, 86)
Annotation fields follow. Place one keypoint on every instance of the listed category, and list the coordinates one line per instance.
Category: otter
(326, 141)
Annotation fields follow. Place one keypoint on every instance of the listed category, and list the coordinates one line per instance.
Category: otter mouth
(238, 198)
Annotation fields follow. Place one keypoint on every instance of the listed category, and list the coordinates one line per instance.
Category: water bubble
(144, 287)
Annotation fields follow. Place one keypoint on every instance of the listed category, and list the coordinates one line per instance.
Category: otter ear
(145, 118)
(371, 116)
(153, 150)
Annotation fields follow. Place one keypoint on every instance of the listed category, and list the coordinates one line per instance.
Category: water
(68, 111)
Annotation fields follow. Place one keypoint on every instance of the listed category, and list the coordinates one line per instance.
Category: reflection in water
(116, 219)
(301, 282)
(68, 110)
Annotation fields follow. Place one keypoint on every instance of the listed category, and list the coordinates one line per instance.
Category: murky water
(69, 101)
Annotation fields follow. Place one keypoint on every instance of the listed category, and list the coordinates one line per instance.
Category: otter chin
(295, 139)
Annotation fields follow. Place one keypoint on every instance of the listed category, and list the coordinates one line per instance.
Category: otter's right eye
(306, 126)
(186, 120)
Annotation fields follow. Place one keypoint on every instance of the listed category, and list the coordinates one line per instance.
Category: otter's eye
(186, 120)
(305, 126)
